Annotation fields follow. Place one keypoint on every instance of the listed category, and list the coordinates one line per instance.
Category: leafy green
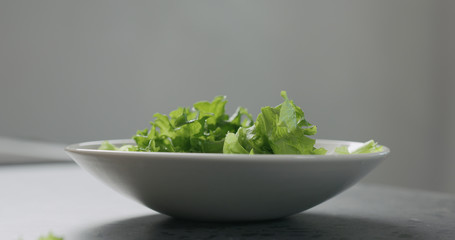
(368, 147)
(201, 129)
(109, 146)
(232, 145)
(278, 130)
(342, 150)
(206, 128)
(50, 236)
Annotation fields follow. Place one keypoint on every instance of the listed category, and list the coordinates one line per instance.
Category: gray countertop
(62, 198)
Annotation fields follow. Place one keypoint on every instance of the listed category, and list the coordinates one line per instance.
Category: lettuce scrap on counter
(206, 128)
(50, 236)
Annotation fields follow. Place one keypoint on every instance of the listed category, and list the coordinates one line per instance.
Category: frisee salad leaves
(206, 128)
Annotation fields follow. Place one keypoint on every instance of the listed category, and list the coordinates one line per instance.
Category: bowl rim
(81, 148)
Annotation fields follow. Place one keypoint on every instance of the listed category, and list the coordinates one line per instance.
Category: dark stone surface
(363, 212)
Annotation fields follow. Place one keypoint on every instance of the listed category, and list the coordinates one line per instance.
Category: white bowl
(226, 187)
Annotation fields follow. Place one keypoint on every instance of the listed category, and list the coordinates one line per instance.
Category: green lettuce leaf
(368, 147)
(232, 145)
(278, 130)
(107, 146)
(50, 236)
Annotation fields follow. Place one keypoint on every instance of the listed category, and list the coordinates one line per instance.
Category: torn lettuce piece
(201, 129)
(277, 130)
(50, 236)
(342, 150)
(368, 147)
(108, 146)
(232, 145)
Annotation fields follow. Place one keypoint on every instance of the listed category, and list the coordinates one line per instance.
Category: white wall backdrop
(74, 71)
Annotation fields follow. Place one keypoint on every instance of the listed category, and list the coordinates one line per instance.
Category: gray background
(74, 71)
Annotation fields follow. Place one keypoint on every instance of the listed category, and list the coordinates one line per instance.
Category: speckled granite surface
(63, 199)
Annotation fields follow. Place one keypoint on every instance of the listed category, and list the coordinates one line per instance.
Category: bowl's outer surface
(220, 187)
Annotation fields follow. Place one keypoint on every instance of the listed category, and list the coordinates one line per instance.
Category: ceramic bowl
(226, 187)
